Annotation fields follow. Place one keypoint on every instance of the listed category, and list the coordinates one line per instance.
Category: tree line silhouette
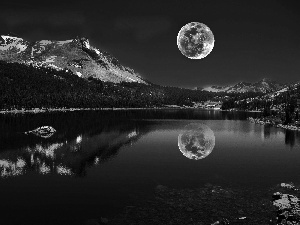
(26, 87)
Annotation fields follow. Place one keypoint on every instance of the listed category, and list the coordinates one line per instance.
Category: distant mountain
(276, 100)
(215, 88)
(263, 86)
(75, 55)
(282, 91)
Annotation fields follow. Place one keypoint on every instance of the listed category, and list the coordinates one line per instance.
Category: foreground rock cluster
(213, 205)
(287, 204)
(209, 205)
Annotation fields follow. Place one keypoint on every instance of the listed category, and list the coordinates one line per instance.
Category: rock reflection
(63, 170)
(44, 169)
(66, 157)
(45, 150)
(12, 168)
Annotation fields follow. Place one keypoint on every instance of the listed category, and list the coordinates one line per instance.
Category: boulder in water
(44, 131)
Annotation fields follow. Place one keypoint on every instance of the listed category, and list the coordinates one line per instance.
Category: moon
(195, 40)
(196, 141)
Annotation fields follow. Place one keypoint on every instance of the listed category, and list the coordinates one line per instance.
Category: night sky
(253, 39)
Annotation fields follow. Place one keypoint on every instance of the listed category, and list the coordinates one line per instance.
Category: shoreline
(45, 110)
(274, 122)
(213, 204)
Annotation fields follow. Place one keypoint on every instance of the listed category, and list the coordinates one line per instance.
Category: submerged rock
(288, 208)
(289, 186)
(44, 131)
(206, 205)
(223, 221)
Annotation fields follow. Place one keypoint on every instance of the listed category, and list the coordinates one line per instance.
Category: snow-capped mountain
(263, 86)
(14, 45)
(215, 88)
(76, 55)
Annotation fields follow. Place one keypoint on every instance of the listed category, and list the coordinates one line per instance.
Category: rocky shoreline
(213, 205)
(45, 110)
(276, 122)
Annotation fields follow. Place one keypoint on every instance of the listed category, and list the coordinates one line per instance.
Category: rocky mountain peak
(13, 44)
(76, 55)
(85, 42)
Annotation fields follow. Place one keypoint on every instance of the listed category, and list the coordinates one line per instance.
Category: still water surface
(99, 162)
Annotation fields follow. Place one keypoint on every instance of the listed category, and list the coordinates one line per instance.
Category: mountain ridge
(265, 85)
(76, 55)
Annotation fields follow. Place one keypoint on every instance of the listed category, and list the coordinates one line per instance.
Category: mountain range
(82, 59)
(74, 74)
(263, 86)
(75, 55)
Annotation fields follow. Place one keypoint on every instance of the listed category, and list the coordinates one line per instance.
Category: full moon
(196, 141)
(195, 40)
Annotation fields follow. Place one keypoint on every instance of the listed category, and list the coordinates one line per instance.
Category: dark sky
(253, 39)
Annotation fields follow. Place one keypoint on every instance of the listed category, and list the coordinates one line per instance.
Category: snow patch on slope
(13, 42)
(51, 59)
(97, 51)
(54, 54)
(79, 74)
(86, 43)
(45, 42)
(216, 89)
(63, 42)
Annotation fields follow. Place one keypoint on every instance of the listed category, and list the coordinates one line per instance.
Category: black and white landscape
(149, 112)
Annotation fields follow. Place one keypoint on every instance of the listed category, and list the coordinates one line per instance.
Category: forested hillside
(25, 86)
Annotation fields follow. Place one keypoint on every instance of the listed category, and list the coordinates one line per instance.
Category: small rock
(224, 221)
(242, 218)
(289, 186)
(44, 131)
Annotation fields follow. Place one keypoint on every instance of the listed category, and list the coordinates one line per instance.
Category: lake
(98, 162)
